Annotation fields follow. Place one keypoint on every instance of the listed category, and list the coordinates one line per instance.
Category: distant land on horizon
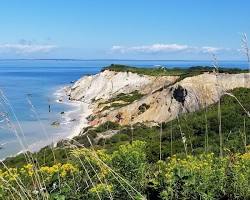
(110, 59)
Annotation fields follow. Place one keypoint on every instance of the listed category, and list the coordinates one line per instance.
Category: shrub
(204, 177)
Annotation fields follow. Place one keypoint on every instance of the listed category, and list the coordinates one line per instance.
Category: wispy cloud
(166, 48)
(213, 49)
(26, 47)
(151, 48)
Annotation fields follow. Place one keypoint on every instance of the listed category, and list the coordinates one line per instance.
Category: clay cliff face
(108, 84)
(164, 98)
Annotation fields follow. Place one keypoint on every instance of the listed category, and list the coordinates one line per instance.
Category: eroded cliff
(162, 98)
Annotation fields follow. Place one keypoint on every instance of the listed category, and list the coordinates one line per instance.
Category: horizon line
(110, 59)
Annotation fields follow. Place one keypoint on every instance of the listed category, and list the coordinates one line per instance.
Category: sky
(129, 29)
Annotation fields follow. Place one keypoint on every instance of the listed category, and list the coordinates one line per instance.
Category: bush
(204, 177)
(126, 174)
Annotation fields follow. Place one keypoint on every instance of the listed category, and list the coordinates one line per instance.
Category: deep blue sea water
(38, 80)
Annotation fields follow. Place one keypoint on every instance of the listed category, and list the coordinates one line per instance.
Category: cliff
(162, 98)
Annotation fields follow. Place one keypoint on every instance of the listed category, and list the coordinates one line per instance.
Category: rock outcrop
(164, 97)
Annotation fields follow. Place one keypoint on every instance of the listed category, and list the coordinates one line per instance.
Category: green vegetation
(122, 100)
(127, 165)
(146, 71)
(114, 105)
(164, 71)
(235, 125)
(203, 177)
(126, 174)
(235, 128)
(129, 98)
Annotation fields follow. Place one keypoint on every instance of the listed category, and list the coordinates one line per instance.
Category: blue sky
(129, 29)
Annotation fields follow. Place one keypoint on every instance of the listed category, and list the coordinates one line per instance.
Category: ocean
(28, 103)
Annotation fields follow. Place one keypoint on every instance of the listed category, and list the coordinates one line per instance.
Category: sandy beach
(75, 119)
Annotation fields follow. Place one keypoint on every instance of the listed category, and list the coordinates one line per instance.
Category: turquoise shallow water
(39, 80)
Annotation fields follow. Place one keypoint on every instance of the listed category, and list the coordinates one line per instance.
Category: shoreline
(75, 119)
(71, 122)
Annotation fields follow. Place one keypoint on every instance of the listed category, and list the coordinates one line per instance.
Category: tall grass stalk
(33, 109)
(132, 133)
(78, 157)
(245, 110)
(216, 67)
(188, 133)
(245, 135)
(90, 179)
(246, 50)
(183, 137)
(220, 130)
(171, 139)
(206, 130)
(115, 174)
(18, 181)
(22, 141)
(86, 171)
(11, 189)
(109, 193)
(160, 140)
(72, 174)
(11, 125)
